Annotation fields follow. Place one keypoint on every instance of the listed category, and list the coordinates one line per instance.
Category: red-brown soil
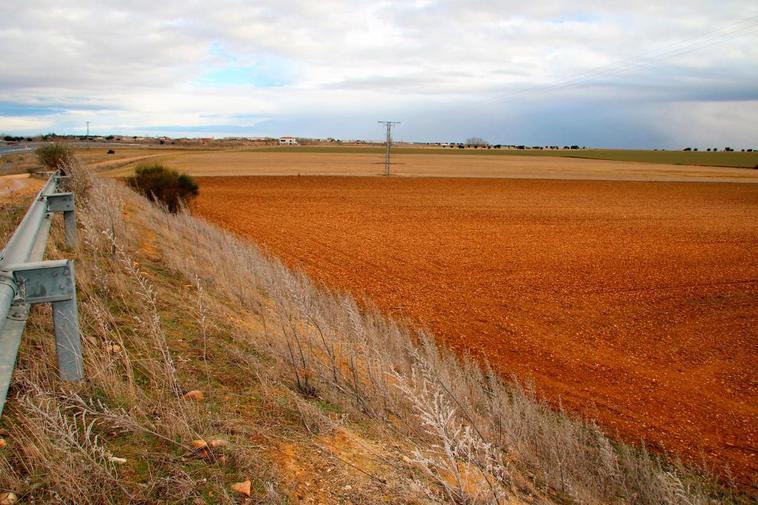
(632, 303)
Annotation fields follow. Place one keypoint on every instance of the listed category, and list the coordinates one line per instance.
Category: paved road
(15, 149)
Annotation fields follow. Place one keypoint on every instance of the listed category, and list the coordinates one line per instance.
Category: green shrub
(54, 156)
(163, 185)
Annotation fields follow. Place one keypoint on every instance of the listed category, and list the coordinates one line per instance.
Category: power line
(389, 125)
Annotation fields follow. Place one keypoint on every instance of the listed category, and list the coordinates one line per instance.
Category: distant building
(290, 141)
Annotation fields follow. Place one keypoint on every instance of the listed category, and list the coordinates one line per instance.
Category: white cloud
(24, 124)
(143, 64)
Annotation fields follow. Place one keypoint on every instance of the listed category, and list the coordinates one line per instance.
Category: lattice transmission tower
(389, 125)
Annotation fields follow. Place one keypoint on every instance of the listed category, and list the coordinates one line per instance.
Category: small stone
(199, 444)
(117, 461)
(8, 498)
(347, 488)
(242, 487)
(195, 394)
(407, 460)
(217, 442)
(3, 443)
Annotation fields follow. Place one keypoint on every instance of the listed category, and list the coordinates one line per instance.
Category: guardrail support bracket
(54, 282)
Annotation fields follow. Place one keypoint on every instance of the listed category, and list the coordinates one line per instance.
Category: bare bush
(55, 156)
(159, 184)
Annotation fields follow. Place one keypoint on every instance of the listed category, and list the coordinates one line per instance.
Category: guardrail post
(54, 282)
(64, 202)
(68, 343)
(69, 223)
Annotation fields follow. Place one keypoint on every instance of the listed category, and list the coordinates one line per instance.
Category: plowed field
(634, 303)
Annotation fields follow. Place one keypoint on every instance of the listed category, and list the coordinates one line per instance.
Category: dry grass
(19, 163)
(376, 412)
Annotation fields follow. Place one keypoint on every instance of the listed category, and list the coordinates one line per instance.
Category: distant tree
(574, 147)
(476, 142)
(160, 184)
(695, 149)
(728, 149)
(688, 149)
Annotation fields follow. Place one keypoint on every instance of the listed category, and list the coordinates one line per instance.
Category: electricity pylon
(389, 125)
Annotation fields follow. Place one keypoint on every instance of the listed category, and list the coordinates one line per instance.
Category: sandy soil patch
(18, 185)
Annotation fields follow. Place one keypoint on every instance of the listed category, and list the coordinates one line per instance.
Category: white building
(290, 141)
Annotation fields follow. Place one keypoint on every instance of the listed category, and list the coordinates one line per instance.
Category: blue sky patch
(233, 70)
(16, 109)
(256, 76)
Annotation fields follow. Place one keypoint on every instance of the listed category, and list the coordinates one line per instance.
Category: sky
(627, 74)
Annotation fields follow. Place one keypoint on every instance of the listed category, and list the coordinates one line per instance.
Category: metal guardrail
(25, 280)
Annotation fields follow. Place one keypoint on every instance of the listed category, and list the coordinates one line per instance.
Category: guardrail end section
(54, 282)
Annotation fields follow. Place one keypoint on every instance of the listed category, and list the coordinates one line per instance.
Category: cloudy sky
(601, 73)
